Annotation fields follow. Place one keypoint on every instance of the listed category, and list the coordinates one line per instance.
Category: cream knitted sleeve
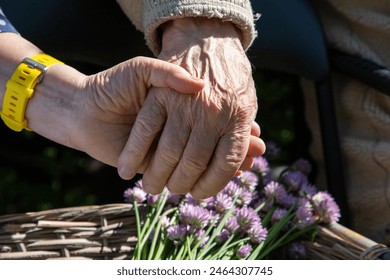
(148, 15)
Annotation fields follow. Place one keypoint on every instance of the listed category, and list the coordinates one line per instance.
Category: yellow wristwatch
(20, 88)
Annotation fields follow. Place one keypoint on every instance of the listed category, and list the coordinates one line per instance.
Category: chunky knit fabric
(148, 15)
(360, 27)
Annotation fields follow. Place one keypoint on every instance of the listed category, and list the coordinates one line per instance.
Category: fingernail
(125, 173)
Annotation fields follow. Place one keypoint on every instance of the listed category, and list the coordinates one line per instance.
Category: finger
(227, 159)
(255, 129)
(247, 164)
(147, 126)
(195, 159)
(158, 73)
(167, 155)
(256, 147)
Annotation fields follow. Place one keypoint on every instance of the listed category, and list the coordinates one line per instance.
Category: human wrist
(184, 32)
(13, 49)
(55, 107)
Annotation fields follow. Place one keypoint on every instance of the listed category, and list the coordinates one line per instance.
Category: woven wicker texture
(336, 242)
(92, 232)
(109, 232)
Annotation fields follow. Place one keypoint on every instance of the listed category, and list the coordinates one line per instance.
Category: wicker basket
(109, 232)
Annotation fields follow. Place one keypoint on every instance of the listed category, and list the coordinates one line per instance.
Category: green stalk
(161, 247)
(157, 231)
(256, 251)
(180, 253)
(137, 252)
(224, 248)
(160, 206)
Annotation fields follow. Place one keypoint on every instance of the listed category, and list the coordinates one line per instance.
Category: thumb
(158, 73)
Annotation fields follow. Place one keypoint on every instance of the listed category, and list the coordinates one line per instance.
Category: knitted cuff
(148, 15)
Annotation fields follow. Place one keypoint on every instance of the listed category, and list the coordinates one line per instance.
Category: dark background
(37, 174)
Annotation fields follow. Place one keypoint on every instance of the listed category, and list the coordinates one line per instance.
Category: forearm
(49, 111)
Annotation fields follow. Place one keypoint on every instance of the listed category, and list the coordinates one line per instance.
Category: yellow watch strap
(20, 88)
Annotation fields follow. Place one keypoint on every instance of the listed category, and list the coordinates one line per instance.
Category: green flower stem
(160, 206)
(137, 251)
(163, 245)
(276, 245)
(197, 245)
(273, 235)
(267, 218)
(157, 232)
(187, 244)
(180, 253)
(256, 251)
(299, 233)
(225, 248)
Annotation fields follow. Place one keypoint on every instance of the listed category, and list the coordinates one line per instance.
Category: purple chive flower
(205, 203)
(135, 194)
(297, 251)
(152, 199)
(231, 224)
(304, 214)
(247, 218)
(194, 216)
(128, 195)
(244, 251)
(165, 222)
(260, 166)
(278, 214)
(248, 180)
(174, 199)
(223, 236)
(215, 217)
(223, 202)
(308, 190)
(288, 200)
(191, 200)
(139, 184)
(177, 233)
(232, 189)
(275, 191)
(302, 165)
(244, 198)
(257, 233)
(325, 207)
(294, 180)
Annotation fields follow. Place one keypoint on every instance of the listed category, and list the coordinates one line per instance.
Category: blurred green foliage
(37, 174)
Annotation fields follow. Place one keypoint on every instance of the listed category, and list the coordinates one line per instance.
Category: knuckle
(169, 156)
(191, 165)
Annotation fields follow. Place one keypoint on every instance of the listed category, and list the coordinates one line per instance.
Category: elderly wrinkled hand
(199, 142)
(111, 100)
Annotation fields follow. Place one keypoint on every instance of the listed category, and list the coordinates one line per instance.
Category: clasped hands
(191, 135)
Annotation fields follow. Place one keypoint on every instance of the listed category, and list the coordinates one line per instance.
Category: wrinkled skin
(203, 139)
(107, 103)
